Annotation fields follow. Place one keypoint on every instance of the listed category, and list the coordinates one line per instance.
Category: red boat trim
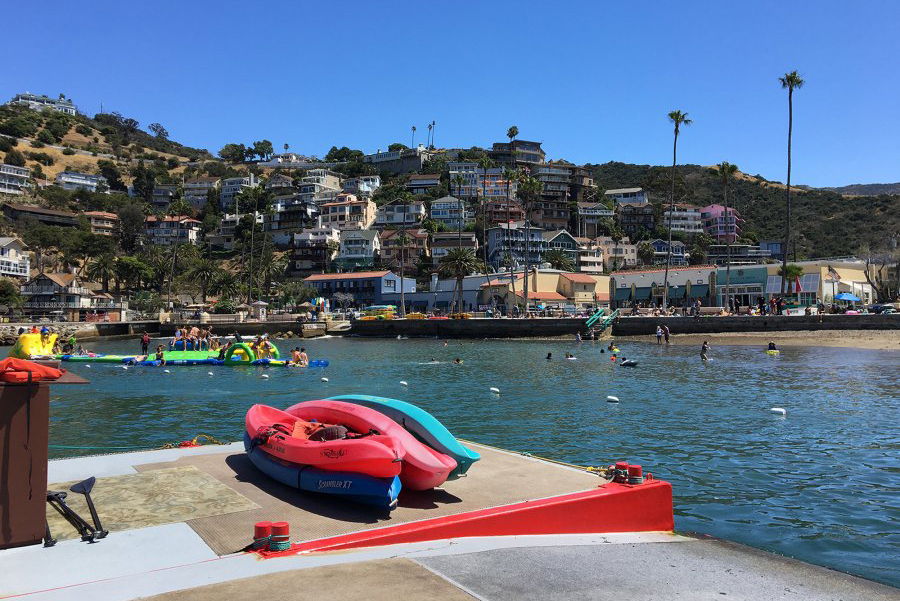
(609, 508)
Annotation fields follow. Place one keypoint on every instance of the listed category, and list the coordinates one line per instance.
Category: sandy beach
(862, 339)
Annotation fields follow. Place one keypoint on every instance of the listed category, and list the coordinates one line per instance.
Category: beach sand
(862, 339)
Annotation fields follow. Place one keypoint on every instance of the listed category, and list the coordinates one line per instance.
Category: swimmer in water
(458, 361)
(549, 356)
(703, 350)
(772, 346)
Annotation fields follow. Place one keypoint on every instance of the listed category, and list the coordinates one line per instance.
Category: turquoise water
(822, 484)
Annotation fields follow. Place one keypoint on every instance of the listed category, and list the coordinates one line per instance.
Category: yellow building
(549, 289)
(822, 279)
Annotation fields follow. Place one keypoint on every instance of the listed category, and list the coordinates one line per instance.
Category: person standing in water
(665, 330)
(703, 350)
(659, 334)
(145, 343)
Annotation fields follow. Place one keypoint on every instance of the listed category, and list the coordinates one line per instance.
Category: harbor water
(821, 483)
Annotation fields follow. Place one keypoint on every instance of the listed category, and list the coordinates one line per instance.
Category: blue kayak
(422, 424)
(360, 488)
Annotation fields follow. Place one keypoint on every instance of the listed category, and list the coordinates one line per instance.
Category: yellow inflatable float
(33, 345)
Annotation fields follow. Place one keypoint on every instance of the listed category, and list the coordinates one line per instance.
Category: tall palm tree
(726, 172)
(558, 259)
(530, 189)
(508, 175)
(225, 285)
(204, 273)
(679, 119)
(791, 81)
(103, 268)
(485, 163)
(790, 273)
(459, 181)
(458, 263)
(412, 142)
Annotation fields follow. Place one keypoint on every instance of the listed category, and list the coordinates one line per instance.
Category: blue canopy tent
(846, 296)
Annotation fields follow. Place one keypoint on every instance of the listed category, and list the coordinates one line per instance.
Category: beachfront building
(590, 256)
(443, 242)
(741, 254)
(171, 229)
(363, 186)
(722, 225)
(230, 187)
(506, 245)
(397, 162)
(358, 249)
(440, 294)
(661, 252)
(314, 250)
(347, 212)
(591, 217)
(39, 102)
(632, 195)
(645, 287)
(399, 214)
(404, 256)
(15, 211)
(367, 287)
(199, 190)
(548, 289)
(13, 179)
(102, 223)
(685, 218)
(14, 259)
(477, 182)
(64, 295)
(617, 256)
(422, 183)
(635, 218)
(73, 180)
(453, 212)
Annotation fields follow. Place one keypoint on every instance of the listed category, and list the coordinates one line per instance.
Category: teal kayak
(422, 424)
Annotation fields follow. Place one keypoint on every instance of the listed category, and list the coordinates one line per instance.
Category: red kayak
(329, 445)
(423, 467)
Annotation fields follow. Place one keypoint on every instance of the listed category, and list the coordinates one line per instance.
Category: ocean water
(821, 484)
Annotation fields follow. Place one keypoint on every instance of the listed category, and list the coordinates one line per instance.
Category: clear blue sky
(592, 80)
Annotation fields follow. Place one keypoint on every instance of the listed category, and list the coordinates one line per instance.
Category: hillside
(866, 189)
(826, 223)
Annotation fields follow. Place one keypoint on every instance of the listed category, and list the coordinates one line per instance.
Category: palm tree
(508, 176)
(458, 263)
(459, 181)
(679, 119)
(789, 273)
(103, 268)
(331, 248)
(204, 272)
(412, 143)
(617, 235)
(726, 172)
(558, 259)
(225, 285)
(530, 188)
(485, 163)
(790, 81)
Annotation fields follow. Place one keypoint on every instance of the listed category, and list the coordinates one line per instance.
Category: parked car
(882, 308)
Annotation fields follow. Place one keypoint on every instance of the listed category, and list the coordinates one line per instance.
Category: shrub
(84, 130)
(38, 172)
(68, 151)
(18, 127)
(46, 137)
(37, 144)
(41, 157)
(6, 144)
(15, 158)
(172, 163)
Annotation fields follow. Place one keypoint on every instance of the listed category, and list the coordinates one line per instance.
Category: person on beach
(665, 330)
(704, 350)
(659, 335)
(145, 343)
(160, 356)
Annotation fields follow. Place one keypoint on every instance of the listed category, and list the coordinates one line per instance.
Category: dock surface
(178, 518)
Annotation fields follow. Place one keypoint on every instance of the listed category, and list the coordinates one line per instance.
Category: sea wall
(639, 326)
(469, 328)
(9, 332)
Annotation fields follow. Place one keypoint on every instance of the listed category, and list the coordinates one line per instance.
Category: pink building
(720, 226)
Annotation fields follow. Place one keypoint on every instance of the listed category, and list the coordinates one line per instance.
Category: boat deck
(178, 517)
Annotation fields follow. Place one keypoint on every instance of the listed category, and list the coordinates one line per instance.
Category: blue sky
(592, 80)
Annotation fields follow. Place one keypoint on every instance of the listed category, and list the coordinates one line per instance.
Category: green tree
(180, 206)
(158, 130)
(9, 294)
(234, 153)
(102, 269)
(112, 175)
(225, 285)
(529, 191)
(263, 149)
(46, 137)
(397, 146)
(790, 81)
(558, 259)
(15, 158)
(646, 253)
(678, 118)
(726, 172)
(204, 272)
(790, 273)
(143, 181)
(458, 263)
(130, 228)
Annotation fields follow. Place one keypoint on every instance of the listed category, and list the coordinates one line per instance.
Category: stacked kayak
(351, 450)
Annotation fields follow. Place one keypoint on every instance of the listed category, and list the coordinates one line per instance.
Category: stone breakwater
(9, 332)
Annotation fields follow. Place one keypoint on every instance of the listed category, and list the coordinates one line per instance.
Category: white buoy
(124, 367)
(167, 371)
(778, 410)
(88, 366)
(265, 376)
(612, 399)
(324, 379)
(495, 390)
(403, 383)
(209, 373)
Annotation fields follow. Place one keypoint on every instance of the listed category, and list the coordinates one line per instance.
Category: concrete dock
(179, 517)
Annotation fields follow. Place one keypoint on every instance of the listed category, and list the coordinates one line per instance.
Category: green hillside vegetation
(826, 223)
(866, 189)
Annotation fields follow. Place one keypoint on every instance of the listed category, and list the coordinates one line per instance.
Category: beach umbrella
(846, 296)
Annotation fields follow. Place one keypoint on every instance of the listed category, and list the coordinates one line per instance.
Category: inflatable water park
(41, 345)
